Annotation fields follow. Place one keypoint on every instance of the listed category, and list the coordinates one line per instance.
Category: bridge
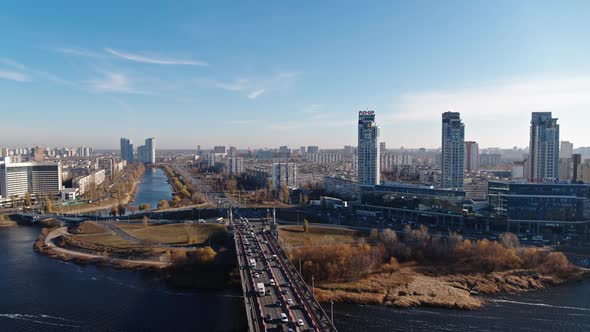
(285, 302)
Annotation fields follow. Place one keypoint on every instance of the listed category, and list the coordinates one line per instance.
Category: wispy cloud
(12, 63)
(154, 60)
(255, 94)
(80, 52)
(113, 82)
(14, 76)
(238, 84)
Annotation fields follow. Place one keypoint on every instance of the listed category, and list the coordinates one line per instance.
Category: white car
(272, 282)
(284, 318)
(289, 301)
(299, 322)
(256, 275)
(202, 221)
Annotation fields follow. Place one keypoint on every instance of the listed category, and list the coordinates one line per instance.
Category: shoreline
(407, 288)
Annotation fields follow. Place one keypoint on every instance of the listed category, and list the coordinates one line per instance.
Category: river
(153, 188)
(38, 293)
(41, 293)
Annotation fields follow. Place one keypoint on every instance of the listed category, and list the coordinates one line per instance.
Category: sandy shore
(408, 288)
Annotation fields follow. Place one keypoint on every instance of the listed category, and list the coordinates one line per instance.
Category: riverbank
(351, 267)
(407, 287)
(6, 221)
(184, 254)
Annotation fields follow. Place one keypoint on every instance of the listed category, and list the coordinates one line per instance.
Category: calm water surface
(153, 188)
(38, 293)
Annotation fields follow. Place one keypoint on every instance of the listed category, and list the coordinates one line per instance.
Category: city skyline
(176, 69)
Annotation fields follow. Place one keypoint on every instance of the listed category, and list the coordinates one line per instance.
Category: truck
(260, 288)
(252, 263)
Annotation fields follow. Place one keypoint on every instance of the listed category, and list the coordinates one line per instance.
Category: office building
(537, 205)
(17, 179)
(127, 150)
(471, 156)
(453, 151)
(566, 149)
(235, 166)
(284, 174)
(368, 149)
(382, 147)
(544, 147)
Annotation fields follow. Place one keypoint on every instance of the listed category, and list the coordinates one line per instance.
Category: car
(284, 318)
(290, 301)
(202, 221)
(299, 322)
(284, 291)
(278, 303)
(272, 282)
(256, 275)
(268, 319)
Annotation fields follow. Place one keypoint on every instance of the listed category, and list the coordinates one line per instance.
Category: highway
(285, 293)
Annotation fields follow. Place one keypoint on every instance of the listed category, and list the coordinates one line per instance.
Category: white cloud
(113, 82)
(14, 76)
(238, 84)
(505, 98)
(154, 60)
(79, 52)
(12, 63)
(255, 94)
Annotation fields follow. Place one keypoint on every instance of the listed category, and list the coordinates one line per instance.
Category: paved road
(283, 289)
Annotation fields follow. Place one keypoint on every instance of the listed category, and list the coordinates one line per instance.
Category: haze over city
(254, 73)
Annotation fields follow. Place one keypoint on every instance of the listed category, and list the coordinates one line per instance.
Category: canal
(153, 188)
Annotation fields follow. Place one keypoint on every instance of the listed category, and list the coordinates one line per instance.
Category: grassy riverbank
(209, 262)
(419, 270)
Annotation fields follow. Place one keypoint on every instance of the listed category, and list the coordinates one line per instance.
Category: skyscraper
(368, 149)
(471, 156)
(127, 150)
(453, 150)
(544, 147)
(150, 146)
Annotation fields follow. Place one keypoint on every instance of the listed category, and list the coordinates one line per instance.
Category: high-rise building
(284, 174)
(566, 149)
(127, 150)
(544, 147)
(235, 166)
(147, 153)
(576, 166)
(233, 151)
(471, 156)
(150, 147)
(382, 147)
(17, 179)
(453, 150)
(38, 153)
(368, 149)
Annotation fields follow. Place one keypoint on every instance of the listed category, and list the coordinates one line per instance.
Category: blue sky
(268, 73)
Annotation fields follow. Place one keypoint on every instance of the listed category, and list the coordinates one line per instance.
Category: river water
(38, 293)
(153, 188)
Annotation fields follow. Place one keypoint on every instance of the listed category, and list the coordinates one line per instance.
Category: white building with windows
(368, 149)
(17, 179)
